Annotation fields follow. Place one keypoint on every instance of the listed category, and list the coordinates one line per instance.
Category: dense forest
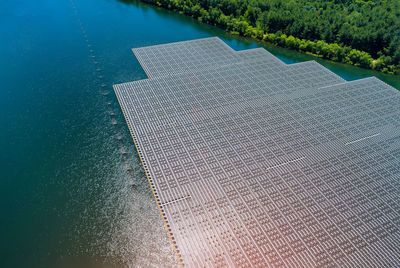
(359, 32)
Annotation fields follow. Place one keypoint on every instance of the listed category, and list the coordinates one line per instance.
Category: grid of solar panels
(254, 54)
(195, 55)
(259, 164)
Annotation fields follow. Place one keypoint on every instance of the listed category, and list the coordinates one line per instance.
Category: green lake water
(66, 196)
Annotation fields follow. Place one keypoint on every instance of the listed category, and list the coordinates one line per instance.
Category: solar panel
(257, 54)
(181, 57)
(196, 55)
(261, 164)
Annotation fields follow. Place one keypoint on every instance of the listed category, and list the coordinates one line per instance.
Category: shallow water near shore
(67, 198)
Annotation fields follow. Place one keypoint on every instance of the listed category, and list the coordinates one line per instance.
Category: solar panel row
(257, 163)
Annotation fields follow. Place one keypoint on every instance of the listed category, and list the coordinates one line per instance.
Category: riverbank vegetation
(358, 32)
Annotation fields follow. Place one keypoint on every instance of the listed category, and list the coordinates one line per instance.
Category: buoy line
(105, 93)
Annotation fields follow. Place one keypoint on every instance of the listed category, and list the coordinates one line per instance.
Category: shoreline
(319, 48)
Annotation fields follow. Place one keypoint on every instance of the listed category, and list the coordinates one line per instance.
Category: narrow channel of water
(66, 197)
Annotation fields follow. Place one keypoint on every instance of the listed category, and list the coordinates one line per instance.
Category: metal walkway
(257, 163)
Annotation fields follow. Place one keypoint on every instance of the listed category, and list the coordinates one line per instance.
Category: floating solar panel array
(257, 163)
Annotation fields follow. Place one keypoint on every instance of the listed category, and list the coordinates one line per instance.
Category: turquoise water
(66, 197)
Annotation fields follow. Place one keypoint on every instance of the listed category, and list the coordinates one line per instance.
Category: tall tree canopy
(371, 27)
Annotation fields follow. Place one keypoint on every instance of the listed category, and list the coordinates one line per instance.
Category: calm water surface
(66, 196)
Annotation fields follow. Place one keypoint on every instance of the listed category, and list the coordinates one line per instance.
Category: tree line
(363, 33)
